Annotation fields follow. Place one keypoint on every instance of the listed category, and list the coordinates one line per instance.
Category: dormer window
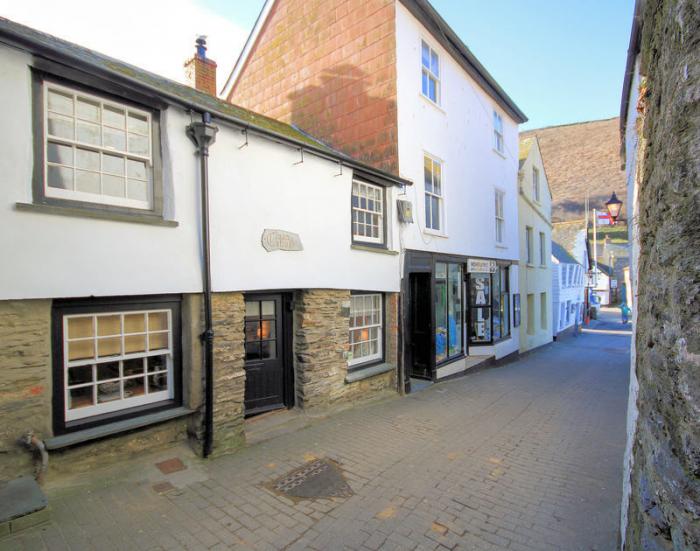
(430, 62)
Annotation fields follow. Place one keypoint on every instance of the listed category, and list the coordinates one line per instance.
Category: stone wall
(664, 508)
(228, 312)
(26, 393)
(321, 331)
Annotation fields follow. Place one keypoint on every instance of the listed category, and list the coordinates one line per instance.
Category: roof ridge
(533, 130)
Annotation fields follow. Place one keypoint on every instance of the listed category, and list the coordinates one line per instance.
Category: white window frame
(365, 212)
(536, 184)
(498, 142)
(74, 195)
(122, 403)
(529, 237)
(500, 219)
(379, 326)
(427, 71)
(439, 196)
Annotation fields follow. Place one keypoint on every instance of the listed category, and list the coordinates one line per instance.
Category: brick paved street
(521, 457)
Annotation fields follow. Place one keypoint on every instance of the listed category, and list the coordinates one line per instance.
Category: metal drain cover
(316, 479)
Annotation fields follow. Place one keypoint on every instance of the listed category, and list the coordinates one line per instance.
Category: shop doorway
(421, 326)
(269, 380)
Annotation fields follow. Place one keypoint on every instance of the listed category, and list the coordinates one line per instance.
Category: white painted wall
(460, 133)
(631, 156)
(535, 278)
(257, 187)
(565, 291)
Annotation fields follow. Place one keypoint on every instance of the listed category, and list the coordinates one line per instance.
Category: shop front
(457, 308)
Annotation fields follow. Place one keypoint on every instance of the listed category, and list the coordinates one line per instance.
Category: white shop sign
(477, 265)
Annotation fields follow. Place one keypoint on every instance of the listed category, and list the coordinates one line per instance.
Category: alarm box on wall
(405, 209)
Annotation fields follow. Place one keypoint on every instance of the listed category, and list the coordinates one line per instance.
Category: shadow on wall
(342, 112)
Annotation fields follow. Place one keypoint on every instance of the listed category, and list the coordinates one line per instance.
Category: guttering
(203, 135)
(98, 69)
(632, 51)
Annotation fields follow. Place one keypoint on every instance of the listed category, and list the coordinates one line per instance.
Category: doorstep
(274, 423)
(22, 505)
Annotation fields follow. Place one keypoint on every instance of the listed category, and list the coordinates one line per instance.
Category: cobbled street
(523, 456)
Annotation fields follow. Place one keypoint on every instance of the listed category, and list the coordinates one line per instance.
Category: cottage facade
(104, 304)
(390, 83)
(535, 272)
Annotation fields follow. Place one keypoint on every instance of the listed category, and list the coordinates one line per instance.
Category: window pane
(80, 397)
(252, 350)
(157, 382)
(157, 363)
(81, 350)
(87, 182)
(89, 160)
(108, 392)
(136, 169)
(113, 116)
(252, 309)
(268, 307)
(157, 321)
(480, 289)
(58, 153)
(107, 371)
(80, 375)
(440, 270)
(437, 178)
(60, 102)
(436, 212)
(425, 55)
(114, 139)
(432, 89)
(428, 173)
(434, 64)
(252, 331)
(440, 321)
(480, 324)
(109, 347)
(138, 144)
(138, 123)
(455, 309)
(157, 341)
(268, 350)
(134, 323)
(267, 329)
(80, 327)
(109, 325)
(133, 366)
(113, 185)
(428, 217)
(60, 126)
(134, 344)
(424, 83)
(89, 133)
(88, 110)
(134, 387)
(137, 189)
(113, 164)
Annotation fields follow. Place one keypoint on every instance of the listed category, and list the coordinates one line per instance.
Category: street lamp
(613, 205)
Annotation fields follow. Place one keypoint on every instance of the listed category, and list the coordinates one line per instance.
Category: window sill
(499, 153)
(431, 102)
(110, 429)
(367, 372)
(434, 233)
(82, 212)
(371, 249)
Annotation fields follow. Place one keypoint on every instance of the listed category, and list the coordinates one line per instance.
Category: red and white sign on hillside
(603, 219)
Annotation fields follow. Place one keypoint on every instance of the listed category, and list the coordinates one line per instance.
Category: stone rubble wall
(664, 509)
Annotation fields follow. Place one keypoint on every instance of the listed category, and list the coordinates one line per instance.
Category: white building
(534, 217)
(105, 270)
(569, 280)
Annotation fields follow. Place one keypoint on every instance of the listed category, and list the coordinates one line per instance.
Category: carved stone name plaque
(280, 240)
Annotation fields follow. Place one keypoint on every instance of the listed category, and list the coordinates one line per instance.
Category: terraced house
(174, 263)
(390, 83)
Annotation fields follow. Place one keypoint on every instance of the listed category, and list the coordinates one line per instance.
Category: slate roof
(579, 158)
(562, 255)
(57, 49)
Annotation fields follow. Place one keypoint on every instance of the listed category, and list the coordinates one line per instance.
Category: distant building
(570, 273)
(535, 229)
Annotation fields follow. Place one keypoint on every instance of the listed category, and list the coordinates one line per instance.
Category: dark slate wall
(665, 502)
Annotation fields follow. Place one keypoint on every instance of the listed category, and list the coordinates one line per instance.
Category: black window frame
(382, 359)
(63, 307)
(46, 71)
(504, 306)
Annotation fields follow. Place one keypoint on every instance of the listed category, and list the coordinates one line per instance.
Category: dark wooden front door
(266, 365)
(420, 326)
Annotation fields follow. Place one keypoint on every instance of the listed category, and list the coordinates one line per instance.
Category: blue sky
(561, 61)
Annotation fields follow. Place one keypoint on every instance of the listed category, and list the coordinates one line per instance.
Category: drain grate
(320, 478)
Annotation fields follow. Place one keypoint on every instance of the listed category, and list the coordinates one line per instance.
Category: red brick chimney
(200, 70)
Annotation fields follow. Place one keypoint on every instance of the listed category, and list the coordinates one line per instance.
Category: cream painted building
(535, 231)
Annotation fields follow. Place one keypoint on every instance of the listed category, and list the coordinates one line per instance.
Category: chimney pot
(200, 70)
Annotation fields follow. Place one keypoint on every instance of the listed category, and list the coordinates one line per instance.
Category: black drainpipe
(203, 134)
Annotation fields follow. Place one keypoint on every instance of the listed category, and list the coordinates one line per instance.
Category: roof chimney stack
(200, 70)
